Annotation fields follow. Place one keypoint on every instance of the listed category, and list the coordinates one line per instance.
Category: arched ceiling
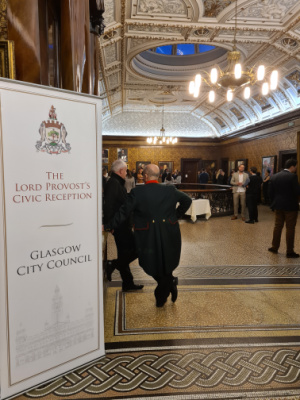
(133, 87)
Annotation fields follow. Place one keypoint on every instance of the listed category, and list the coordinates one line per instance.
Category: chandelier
(234, 76)
(162, 138)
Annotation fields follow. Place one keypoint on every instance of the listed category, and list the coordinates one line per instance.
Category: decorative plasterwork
(133, 26)
(144, 124)
(111, 54)
(156, 7)
(214, 7)
(269, 9)
(109, 14)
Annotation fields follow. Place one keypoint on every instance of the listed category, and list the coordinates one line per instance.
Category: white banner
(51, 275)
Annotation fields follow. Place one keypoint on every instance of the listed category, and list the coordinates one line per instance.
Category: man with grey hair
(115, 195)
(156, 229)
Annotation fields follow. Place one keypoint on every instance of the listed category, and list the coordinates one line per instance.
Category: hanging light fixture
(162, 138)
(234, 76)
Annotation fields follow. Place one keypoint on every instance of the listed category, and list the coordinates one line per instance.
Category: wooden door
(284, 156)
(189, 171)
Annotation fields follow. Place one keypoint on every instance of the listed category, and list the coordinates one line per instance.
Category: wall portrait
(242, 161)
(141, 164)
(231, 166)
(268, 164)
(104, 156)
(123, 155)
(165, 165)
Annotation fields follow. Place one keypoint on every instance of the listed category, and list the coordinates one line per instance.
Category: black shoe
(132, 288)
(256, 220)
(160, 303)
(250, 221)
(292, 255)
(174, 291)
(110, 267)
(273, 250)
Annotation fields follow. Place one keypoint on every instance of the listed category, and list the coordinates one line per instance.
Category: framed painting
(231, 166)
(141, 164)
(210, 167)
(165, 165)
(104, 156)
(123, 155)
(268, 164)
(242, 161)
(7, 59)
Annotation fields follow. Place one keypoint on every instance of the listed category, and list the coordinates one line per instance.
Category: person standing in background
(156, 229)
(129, 181)
(252, 191)
(239, 181)
(115, 195)
(284, 195)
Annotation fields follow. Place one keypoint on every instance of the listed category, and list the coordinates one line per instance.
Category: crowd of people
(144, 218)
(134, 177)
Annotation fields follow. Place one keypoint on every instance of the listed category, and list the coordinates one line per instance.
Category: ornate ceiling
(133, 89)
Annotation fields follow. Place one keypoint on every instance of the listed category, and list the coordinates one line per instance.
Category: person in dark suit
(115, 195)
(253, 189)
(203, 177)
(284, 191)
(156, 229)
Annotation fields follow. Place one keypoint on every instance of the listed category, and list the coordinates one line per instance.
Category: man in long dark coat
(284, 193)
(156, 229)
(115, 196)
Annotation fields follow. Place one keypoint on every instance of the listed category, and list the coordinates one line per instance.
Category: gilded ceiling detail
(162, 7)
(268, 32)
(214, 7)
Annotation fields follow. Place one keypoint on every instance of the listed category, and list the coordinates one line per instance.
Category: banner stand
(51, 287)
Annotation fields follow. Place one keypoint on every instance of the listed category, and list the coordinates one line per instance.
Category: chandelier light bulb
(192, 87)
(247, 93)
(168, 141)
(164, 139)
(260, 72)
(197, 91)
(211, 96)
(237, 71)
(198, 80)
(214, 75)
(274, 80)
(265, 88)
(229, 95)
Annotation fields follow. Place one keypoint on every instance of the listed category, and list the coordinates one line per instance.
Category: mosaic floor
(233, 333)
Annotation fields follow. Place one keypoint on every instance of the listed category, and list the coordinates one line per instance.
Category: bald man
(156, 229)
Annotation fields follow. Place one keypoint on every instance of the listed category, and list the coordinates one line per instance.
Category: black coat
(254, 186)
(115, 195)
(284, 191)
(156, 228)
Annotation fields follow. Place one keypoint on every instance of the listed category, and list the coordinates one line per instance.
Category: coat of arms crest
(53, 136)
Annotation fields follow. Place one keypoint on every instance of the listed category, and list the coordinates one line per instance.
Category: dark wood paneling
(23, 29)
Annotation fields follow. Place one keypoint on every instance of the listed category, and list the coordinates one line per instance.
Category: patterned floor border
(249, 370)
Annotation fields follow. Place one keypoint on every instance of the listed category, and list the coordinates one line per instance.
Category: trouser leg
(163, 288)
(243, 203)
(249, 202)
(290, 224)
(252, 206)
(255, 210)
(126, 254)
(236, 203)
(279, 222)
